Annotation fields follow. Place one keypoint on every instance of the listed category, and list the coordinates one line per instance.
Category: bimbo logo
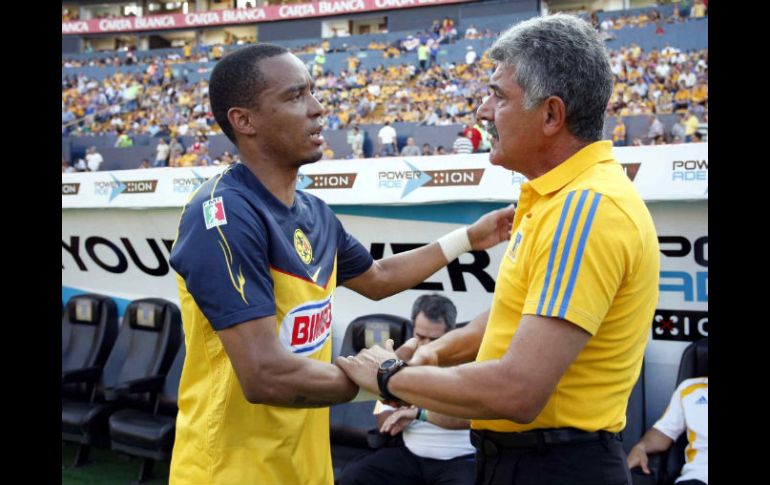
(306, 329)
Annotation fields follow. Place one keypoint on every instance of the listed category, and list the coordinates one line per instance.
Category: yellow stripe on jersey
(228, 254)
(690, 452)
(692, 388)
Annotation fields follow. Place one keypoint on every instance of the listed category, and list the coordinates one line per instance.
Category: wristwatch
(384, 373)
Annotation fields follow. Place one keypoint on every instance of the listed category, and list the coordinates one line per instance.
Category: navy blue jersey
(238, 244)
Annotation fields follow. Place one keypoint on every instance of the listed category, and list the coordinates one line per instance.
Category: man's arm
(397, 420)
(402, 271)
(447, 422)
(653, 441)
(516, 387)
(383, 416)
(270, 374)
(456, 347)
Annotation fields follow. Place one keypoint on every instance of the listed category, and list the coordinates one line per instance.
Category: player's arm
(402, 271)
(270, 374)
(456, 347)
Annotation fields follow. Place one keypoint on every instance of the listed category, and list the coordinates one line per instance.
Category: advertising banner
(664, 172)
(241, 16)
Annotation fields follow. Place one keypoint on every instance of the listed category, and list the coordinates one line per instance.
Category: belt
(488, 442)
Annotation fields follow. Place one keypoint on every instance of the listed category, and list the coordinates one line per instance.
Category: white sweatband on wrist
(455, 243)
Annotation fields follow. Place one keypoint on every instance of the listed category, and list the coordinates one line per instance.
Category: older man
(558, 354)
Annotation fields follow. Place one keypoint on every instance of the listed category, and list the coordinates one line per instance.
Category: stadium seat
(150, 435)
(694, 363)
(353, 431)
(146, 344)
(635, 414)
(666, 466)
(88, 330)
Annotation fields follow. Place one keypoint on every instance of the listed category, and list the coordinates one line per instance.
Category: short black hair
(436, 307)
(237, 81)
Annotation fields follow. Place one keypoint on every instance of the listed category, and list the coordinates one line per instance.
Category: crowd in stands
(682, 13)
(159, 101)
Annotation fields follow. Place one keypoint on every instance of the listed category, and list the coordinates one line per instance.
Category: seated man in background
(436, 448)
(688, 410)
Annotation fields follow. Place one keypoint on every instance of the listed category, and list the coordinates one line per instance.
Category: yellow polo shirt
(583, 248)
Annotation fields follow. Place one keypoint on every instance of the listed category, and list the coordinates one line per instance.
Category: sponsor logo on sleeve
(214, 212)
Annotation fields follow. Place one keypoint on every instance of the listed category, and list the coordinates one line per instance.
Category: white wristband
(455, 243)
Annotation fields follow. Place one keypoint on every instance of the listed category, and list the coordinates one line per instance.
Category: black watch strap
(384, 377)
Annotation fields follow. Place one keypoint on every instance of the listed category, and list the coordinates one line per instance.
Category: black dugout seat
(88, 330)
(146, 343)
(146, 434)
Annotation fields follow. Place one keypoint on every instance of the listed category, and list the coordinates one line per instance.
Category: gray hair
(436, 307)
(560, 55)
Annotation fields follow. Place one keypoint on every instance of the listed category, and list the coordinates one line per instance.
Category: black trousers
(399, 466)
(599, 462)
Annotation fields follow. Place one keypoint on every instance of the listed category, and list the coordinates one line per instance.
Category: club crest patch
(517, 238)
(303, 247)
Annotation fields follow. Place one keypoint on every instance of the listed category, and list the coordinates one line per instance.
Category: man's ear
(242, 121)
(554, 115)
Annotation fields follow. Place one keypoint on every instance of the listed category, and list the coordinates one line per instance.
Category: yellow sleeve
(579, 259)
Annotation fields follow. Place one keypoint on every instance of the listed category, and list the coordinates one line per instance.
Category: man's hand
(407, 350)
(637, 457)
(491, 228)
(362, 369)
(398, 420)
(424, 355)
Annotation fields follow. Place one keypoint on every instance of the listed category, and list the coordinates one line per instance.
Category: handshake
(372, 368)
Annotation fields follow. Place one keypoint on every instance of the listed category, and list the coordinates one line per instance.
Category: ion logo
(326, 181)
(306, 329)
(680, 325)
(70, 189)
(415, 178)
(116, 187)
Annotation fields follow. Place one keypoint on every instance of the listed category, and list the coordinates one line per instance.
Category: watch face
(387, 364)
